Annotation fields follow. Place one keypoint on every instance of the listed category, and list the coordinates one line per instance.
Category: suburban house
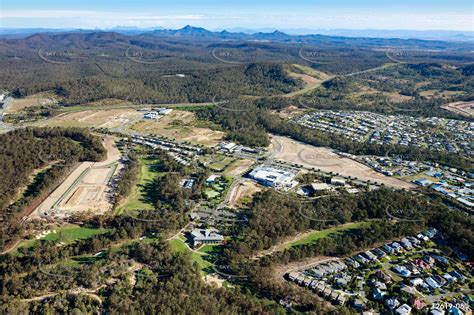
(403, 310)
(402, 270)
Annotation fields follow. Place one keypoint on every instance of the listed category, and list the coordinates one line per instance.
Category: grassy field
(440, 93)
(137, 198)
(220, 163)
(177, 245)
(238, 167)
(39, 99)
(420, 176)
(312, 79)
(67, 235)
(315, 235)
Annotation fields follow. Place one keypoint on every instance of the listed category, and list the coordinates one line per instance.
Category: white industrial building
(274, 177)
(164, 111)
(151, 115)
(227, 146)
(157, 113)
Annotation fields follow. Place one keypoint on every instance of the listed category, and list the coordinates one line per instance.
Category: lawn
(177, 245)
(211, 193)
(137, 198)
(420, 176)
(315, 235)
(208, 248)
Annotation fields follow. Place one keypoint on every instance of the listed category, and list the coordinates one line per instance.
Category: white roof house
(403, 310)
(212, 178)
(321, 186)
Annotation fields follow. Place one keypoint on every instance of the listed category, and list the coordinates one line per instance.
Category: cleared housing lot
(181, 126)
(111, 118)
(461, 108)
(39, 99)
(86, 188)
(327, 160)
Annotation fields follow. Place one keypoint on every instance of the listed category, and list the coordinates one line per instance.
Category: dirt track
(328, 161)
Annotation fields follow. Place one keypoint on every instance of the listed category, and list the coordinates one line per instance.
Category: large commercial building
(205, 236)
(274, 177)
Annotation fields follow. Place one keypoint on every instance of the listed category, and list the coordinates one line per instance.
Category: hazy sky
(332, 14)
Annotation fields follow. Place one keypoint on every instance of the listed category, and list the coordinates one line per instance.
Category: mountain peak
(193, 29)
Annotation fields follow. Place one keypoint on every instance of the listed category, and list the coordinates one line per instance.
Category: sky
(248, 14)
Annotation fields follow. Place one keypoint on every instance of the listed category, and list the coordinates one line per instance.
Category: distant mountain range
(201, 34)
(403, 34)
(458, 36)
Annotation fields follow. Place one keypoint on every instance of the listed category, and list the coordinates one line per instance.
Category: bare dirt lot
(39, 99)
(85, 189)
(461, 108)
(99, 176)
(238, 167)
(290, 112)
(328, 161)
(179, 125)
(245, 188)
(111, 118)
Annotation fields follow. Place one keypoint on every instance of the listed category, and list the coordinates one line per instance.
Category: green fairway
(67, 234)
(313, 236)
(137, 198)
(177, 245)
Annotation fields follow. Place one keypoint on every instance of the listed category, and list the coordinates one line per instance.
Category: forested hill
(192, 64)
(50, 153)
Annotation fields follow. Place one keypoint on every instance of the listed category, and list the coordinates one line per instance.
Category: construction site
(88, 188)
